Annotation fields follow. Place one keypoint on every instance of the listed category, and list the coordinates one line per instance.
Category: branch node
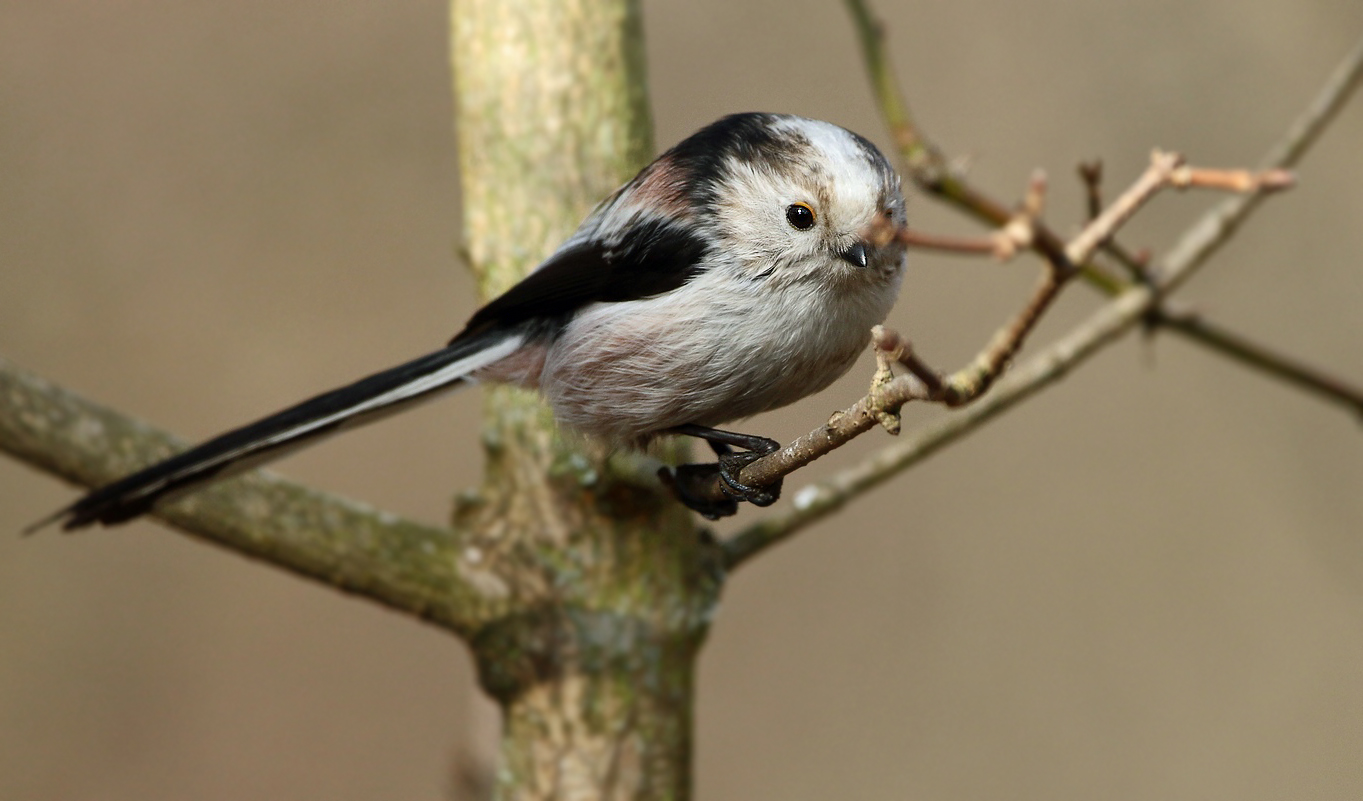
(888, 421)
(895, 347)
(1019, 233)
(884, 412)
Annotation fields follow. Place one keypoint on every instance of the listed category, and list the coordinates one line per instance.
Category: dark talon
(689, 478)
(731, 464)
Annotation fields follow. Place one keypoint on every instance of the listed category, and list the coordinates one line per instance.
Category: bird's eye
(800, 216)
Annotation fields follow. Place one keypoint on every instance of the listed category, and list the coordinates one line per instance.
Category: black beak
(855, 255)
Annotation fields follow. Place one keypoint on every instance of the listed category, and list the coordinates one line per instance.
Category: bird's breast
(704, 354)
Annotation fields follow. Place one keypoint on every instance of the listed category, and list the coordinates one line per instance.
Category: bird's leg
(720, 448)
(728, 467)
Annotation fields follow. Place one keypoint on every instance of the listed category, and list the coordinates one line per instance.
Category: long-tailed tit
(739, 272)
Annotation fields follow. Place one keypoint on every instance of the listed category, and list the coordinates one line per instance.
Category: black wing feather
(660, 256)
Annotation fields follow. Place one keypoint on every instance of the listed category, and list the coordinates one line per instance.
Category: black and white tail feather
(739, 272)
(369, 399)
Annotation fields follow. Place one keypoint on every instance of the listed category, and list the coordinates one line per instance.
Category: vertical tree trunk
(611, 584)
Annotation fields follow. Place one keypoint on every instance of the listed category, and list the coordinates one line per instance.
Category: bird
(740, 271)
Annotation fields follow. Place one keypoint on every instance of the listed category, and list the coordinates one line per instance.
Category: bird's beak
(878, 234)
(855, 255)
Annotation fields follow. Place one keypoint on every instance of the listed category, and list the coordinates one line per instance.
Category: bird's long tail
(364, 401)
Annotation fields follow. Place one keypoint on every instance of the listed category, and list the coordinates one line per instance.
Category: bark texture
(609, 584)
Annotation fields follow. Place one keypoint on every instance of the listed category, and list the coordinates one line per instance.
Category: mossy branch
(404, 565)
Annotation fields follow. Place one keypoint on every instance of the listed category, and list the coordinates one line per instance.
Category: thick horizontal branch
(404, 565)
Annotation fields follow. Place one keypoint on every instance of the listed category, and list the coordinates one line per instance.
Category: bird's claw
(732, 464)
(693, 483)
(688, 482)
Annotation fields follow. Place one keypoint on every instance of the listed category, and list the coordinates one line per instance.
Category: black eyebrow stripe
(751, 138)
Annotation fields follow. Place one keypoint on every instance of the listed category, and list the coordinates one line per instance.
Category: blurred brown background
(1147, 583)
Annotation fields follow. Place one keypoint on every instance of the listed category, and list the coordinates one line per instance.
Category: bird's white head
(794, 199)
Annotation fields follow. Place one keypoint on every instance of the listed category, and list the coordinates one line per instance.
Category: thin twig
(960, 246)
(1259, 356)
(1233, 180)
(1199, 242)
(1163, 168)
(911, 147)
(1091, 173)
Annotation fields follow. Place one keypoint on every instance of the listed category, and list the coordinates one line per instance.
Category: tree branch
(1253, 354)
(882, 403)
(401, 564)
(929, 170)
(1198, 243)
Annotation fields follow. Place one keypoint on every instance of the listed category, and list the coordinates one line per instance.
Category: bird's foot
(694, 484)
(732, 464)
(689, 483)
